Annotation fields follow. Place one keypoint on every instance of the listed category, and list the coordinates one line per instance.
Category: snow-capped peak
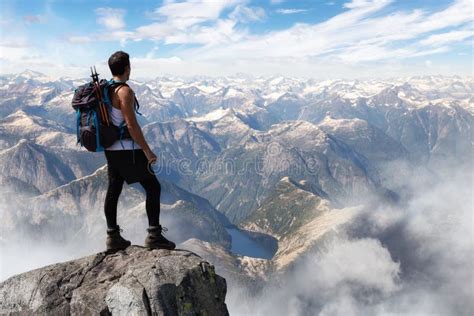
(215, 115)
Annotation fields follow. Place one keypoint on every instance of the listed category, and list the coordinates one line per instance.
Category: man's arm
(127, 105)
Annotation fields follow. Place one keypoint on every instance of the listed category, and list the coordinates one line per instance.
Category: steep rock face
(434, 132)
(136, 281)
(289, 206)
(34, 165)
(297, 149)
(297, 218)
(365, 138)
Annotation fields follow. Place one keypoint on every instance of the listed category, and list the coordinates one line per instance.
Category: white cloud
(299, 40)
(448, 37)
(50, 59)
(221, 31)
(13, 53)
(371, 266)
(181, 15)
(460, 12)
(244, 14)
(112, 19)
(16, 42)
(152, 67)
(355, 4)
(198, 22)
(290, 11)
(358, 35)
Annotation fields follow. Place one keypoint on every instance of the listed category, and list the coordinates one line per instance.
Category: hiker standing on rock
(128, 160)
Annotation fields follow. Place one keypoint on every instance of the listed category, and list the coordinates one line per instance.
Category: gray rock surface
(136, 281)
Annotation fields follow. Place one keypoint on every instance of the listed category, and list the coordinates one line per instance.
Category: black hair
(118, 61)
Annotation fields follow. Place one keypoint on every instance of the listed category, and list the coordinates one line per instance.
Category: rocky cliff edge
(135, 281)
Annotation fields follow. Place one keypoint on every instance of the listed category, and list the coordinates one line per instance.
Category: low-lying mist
(29, 247)
(414, 258)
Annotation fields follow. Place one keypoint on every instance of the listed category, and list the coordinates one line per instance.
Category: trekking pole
(101, 102)
(103, 109)
(95, 80)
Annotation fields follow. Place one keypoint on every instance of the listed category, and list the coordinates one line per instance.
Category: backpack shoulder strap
(113, 83)
(119, 84)
(106, 91)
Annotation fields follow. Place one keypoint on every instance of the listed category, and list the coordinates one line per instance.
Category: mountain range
(282, 160)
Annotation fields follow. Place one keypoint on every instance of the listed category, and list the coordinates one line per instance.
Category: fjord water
(244, 245)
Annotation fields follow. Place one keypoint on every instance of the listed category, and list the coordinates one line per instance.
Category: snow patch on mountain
(211, 116)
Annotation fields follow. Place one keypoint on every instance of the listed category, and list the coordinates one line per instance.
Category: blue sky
(320, 39)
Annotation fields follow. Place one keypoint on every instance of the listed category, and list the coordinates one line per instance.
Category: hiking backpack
(92, 104)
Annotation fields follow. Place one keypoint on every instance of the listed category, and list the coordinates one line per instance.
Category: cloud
(412, 259)
(187, 22)
(358, 35)
(17, 51)
(460, 12)
(371, 265)
(197, 22)
(298, 41)
(355, 4)
(247, 14)
(290, 11)
(221, 31)
(152, 67)
(448, 37)
(16, 42)
(181, 15)
(110, 18)
(50, 59)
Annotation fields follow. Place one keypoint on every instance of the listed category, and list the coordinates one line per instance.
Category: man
(128, 160)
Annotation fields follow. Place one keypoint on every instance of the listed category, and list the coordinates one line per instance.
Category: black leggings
(153, 190)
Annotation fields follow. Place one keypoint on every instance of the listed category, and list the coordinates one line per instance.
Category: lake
(243, 245)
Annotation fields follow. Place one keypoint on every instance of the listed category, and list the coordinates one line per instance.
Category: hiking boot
(115, 241)
(155, 239)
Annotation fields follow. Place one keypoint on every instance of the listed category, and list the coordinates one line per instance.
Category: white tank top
(117, 118)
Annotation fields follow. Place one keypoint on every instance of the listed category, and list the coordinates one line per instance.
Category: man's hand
(150, 156)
